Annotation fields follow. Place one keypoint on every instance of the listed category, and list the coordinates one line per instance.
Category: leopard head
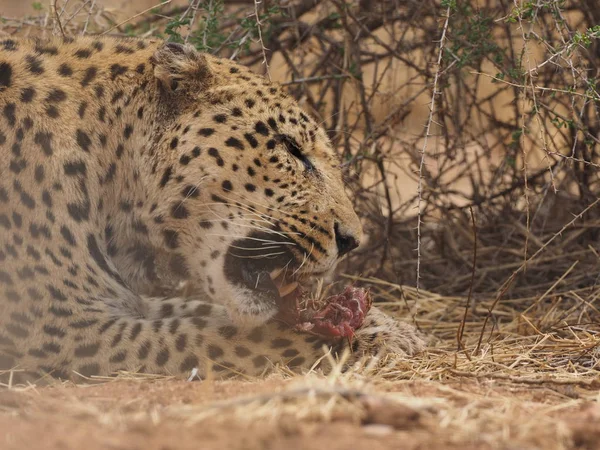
(250, 193)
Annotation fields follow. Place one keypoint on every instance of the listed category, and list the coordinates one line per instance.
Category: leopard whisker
(268, 255)
(266, 241)
(305, 258)
(267, 207)
(283, 234)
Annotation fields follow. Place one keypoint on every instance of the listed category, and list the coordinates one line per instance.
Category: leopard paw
(382, 335)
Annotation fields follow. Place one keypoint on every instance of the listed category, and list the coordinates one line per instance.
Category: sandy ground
(298, 413)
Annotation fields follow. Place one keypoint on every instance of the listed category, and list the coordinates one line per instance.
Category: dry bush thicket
(469, 133)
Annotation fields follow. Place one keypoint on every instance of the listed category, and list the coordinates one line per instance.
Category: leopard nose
(345, 242)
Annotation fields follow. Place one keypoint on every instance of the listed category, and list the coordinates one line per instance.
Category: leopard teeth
(287, 289)
(275, 273)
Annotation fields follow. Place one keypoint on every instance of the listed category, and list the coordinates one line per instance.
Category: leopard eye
(294, 149)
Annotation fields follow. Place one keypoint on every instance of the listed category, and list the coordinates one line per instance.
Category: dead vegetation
(470, 133)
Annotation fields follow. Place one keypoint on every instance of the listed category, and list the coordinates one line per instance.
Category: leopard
(133, 169)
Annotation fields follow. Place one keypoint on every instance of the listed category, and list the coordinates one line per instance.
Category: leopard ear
(181, 68)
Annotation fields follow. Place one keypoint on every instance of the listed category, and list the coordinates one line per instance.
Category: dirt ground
(301, 412)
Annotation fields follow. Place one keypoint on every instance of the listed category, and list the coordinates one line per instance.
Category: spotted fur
(129, 167)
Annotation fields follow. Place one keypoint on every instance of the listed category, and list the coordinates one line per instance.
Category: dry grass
(523, 387)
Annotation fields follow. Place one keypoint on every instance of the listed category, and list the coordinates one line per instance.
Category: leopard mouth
(264, 265)
(293, 284)
(277, 282)
(279, 285)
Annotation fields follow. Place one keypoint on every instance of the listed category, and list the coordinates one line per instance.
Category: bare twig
(194, 6)
(423, 151)
(56, 17)
(260, 38)
(166, 2)
(87, 20)
(461, 329)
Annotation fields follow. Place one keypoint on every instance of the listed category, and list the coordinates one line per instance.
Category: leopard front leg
(181, 334)
(380, 335)
(173, 337)
(254, 351)
(184, 334)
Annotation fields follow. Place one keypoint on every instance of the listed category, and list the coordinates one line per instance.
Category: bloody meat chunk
(338, 315)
